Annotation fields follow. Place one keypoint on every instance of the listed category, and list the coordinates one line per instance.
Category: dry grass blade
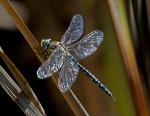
(23, 84)
(69, 96)
(117, 11)
(141, 16)
(15, 92)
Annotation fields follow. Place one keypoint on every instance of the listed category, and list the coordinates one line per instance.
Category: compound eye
(45, 43)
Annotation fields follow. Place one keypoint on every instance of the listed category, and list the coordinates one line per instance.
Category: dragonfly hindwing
(87, 45)
(67, 75)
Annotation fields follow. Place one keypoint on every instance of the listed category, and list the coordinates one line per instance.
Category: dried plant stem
(21, 25)
(117, 11)
(69, 96)
(23, 84)
(17, 95)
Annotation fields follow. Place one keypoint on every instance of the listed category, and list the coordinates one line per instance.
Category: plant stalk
(119, 19)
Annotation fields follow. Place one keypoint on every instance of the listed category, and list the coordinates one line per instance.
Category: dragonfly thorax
(53, 45)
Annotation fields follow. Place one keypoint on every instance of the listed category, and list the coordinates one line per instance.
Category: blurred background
(121, 21)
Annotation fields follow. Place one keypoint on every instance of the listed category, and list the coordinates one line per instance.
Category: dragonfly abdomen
(93, 78)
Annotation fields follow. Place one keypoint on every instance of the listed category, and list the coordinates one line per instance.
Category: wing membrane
(87, 45)
(52, 65)
(68, 75)
(74, 31)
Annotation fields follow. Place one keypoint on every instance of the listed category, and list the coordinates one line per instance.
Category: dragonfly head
(45, 43)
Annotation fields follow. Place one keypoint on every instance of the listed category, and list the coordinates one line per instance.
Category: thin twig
(23, 84)
(119, 18)
(17, 95)
(69, 96)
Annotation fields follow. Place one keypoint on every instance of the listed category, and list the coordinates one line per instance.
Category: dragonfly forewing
(53, 64)
(74, 31)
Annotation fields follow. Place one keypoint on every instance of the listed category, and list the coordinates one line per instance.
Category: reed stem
(119, 19)
(23, 84)
(17, 95)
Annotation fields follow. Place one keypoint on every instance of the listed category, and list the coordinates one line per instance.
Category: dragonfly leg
(45, 53)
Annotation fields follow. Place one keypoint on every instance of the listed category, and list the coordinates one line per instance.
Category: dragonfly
(66, 54)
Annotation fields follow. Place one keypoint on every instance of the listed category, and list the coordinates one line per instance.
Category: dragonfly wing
(87, 45)
(74, 31)
(67, 75)
(53, 64)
